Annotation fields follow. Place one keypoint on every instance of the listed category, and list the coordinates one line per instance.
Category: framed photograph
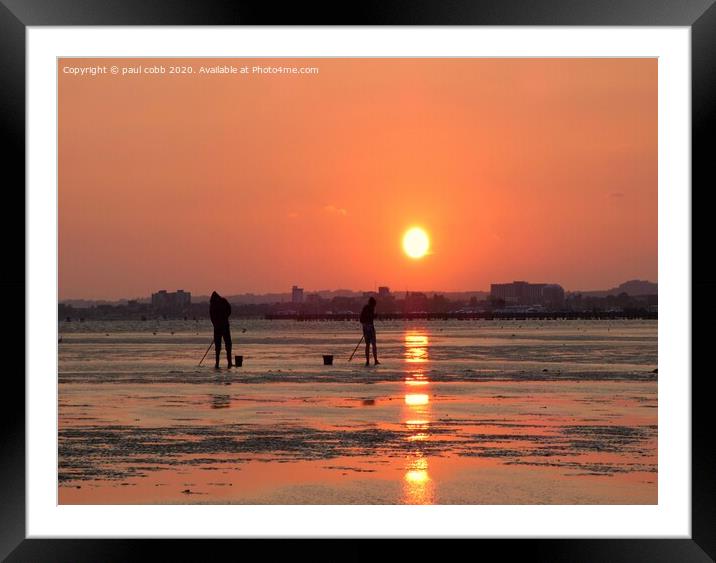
(328, 280)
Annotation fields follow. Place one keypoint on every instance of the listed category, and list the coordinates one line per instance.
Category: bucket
(238, 361)
(327, 359)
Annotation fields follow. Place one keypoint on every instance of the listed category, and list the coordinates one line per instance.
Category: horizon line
(288, 292)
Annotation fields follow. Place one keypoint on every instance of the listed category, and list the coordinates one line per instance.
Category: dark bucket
(238, 361)
(327, 359)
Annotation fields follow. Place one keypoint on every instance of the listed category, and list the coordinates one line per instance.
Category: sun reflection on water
(416, 347)
(416, 382)
(418, 487)
(416, 399)
(418, 471)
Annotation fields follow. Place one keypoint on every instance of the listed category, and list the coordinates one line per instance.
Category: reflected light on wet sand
(416, 347)
(417, 424)
(416, 382)
(417, 485)
(415, 399)
(417, 476)
(418, 429)
(418, 488)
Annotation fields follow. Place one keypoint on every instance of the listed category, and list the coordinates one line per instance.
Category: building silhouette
(176, 302)
(552, 295)
(525, 293)
(296, 294)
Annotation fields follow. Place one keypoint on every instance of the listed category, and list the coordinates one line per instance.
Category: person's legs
(227, 341)
(375, 346)
(217, 346)
(366, 337)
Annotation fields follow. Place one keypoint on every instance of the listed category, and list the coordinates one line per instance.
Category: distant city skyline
(542, 170)
(290, 294)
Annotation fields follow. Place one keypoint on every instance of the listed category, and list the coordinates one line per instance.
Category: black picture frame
(16, 15)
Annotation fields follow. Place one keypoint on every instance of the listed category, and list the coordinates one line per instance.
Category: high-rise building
(296, 294)
(552, 295)
(166, 302)
(182, 298)
(524, 293)
(383, 291)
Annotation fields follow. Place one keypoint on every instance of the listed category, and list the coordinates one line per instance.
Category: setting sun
(416, 242)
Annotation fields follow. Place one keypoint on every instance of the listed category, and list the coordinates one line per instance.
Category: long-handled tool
(356, 348)
(212, 343)
(207, 351)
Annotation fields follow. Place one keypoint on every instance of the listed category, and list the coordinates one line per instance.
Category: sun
(416, 242)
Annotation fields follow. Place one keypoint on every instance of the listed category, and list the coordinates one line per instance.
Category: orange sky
(537, 169)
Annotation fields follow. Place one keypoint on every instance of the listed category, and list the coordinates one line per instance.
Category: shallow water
(476, 412)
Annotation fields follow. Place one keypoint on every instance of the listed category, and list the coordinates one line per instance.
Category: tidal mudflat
(459, 412)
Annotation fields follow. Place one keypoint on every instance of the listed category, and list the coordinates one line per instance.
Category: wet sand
(540, 412)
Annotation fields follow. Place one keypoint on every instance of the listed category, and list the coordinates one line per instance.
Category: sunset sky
(542, 170)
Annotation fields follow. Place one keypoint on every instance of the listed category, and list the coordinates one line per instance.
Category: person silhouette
(366, 319)
(219, 312)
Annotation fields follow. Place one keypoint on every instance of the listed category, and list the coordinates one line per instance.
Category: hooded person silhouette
(367, 316)
(219, 312)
